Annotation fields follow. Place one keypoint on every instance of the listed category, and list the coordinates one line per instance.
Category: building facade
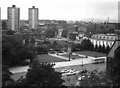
(0, 21)
(111, 58)
(59, 33)
(33, 18)
(13, 18)
(103, 39)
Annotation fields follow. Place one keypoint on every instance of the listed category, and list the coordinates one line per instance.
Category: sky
(65, 9)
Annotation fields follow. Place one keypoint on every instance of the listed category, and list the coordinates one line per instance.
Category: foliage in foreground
(95, 78)
(42, 74)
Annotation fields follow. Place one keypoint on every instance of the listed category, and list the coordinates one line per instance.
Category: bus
(99, 60)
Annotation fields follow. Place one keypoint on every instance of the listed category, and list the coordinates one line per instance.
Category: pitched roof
(113, 48)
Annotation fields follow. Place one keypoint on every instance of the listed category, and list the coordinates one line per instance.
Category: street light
(69, 52)
(82, 64)
(69, 56)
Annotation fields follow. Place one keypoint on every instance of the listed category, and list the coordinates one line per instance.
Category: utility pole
(82, 64)
(69, 50)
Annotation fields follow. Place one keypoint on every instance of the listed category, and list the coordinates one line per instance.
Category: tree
(91, 47)
(32, 40)
(14, 52)
(86, 44)
(43, 74)
(24, 53)
(26, 41)
(6, 77)
(55, 45)
(42, 49)
(103, 49)
(100, 48)
(107, 49)
(65, 33)
(96, 79)
(51, 32)
(10, 32)
(47, 42)
(4, 25)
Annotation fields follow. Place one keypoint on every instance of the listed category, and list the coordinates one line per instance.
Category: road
(100, 67)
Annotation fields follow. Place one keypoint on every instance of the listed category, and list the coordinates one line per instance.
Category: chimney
(33, 6)
(13, 5)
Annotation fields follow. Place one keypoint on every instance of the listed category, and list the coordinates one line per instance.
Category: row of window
(105, 37)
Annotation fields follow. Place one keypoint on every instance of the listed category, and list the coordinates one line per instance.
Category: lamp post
(69, 56)
(82, 64)
(69, 52)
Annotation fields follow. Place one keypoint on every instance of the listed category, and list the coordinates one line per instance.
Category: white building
(103, 39)
(13, 17)
(33, 18)
(59, 33)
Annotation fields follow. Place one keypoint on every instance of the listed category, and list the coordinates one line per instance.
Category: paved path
(57, 64)
(73, 62)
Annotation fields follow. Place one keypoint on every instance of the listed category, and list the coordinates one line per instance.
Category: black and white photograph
(59, 43)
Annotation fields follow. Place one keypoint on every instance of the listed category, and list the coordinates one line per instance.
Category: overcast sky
(64, 9)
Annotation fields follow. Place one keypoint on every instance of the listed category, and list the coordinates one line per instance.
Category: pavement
(57, 64)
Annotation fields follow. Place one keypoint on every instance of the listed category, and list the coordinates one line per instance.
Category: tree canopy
(96, 79)
(14, 52)
(86, 44)
(6, 77)
(43, 74)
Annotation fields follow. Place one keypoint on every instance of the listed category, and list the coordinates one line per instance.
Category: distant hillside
(99, 20)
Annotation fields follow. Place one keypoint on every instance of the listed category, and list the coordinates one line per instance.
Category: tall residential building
(33, 18)
(13, 18)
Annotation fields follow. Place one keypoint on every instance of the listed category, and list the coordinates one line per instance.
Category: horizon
(68, 10)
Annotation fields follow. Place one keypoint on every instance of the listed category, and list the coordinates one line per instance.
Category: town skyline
(66, 10)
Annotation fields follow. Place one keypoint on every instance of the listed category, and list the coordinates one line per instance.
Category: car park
(64, 71)
(69, 72)
(81, 78)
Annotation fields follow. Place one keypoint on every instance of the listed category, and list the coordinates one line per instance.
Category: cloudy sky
(65, 9)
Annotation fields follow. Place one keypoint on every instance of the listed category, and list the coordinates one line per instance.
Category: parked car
(64, 71)
(81, 78)
(69, 72)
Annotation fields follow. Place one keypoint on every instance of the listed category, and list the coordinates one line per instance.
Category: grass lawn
(48, 58)
(91, 53)
(72, 56)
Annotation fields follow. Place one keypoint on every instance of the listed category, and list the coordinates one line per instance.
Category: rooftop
(114, 47)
